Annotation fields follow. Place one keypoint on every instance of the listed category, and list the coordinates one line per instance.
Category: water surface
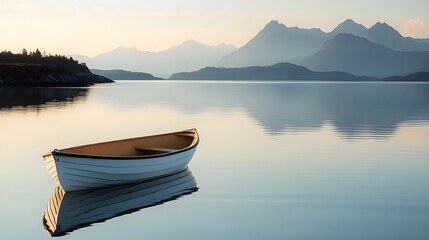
(277, 160)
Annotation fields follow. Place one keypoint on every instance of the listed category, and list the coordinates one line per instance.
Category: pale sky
(92, 27)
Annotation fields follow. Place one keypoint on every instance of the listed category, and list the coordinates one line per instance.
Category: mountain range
(190, 55)
(124, 75)
(286, 71)
(379, 51)
(357, 55)
(279, 71)
(275, 43)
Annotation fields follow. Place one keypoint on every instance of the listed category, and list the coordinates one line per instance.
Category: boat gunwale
(57, 152)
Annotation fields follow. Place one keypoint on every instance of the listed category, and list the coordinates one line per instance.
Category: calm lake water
(277, 160)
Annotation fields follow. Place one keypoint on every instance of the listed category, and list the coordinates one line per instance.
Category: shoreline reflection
(67, 212)
(35, 99)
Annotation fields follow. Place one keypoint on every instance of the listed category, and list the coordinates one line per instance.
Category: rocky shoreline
(40, 75)
(55, 80)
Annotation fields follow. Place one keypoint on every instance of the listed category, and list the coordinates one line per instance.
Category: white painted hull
(79, 173)
(69, 211)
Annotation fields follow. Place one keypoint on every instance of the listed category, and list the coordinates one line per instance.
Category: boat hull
(75, 173)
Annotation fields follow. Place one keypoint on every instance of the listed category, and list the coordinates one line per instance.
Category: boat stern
(51, 167)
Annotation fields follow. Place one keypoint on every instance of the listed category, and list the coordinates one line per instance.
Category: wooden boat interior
(142, 146)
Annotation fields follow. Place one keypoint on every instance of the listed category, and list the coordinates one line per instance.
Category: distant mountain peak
(384, 28)
(124, 50)
(192, 42)
(378, 24)
(275, 43)
(384, 34)
(349, 21)
(273, 25)
(349, 26)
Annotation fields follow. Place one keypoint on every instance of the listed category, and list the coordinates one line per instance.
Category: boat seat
(156, 149)
(185, 134)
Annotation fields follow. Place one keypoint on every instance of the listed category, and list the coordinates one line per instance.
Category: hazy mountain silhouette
(348, 26)
(383, 34)
(280, 71)
(275, 43)
(359, 56)
(80, 57)
(419, 76)
(190, 55)
(124, 75)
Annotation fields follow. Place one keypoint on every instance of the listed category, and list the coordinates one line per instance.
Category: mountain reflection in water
(69, 211)
(355, 110)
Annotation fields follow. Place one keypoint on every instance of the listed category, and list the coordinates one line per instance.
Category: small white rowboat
(122, 161)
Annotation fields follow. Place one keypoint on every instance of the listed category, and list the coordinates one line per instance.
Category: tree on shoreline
(36, 57)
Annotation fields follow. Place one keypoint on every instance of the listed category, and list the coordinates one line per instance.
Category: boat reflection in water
(69, 211)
